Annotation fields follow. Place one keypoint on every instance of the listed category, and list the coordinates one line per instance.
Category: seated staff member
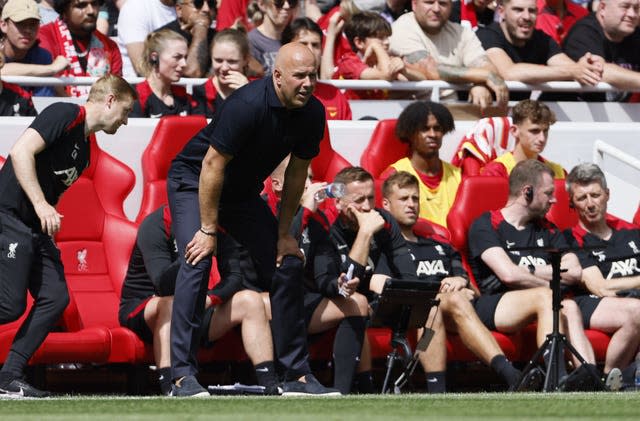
(515, 283)
(606, 271)
(437, 261)
(147, 302)
(163, 62)
(229, 66)
(329, 300)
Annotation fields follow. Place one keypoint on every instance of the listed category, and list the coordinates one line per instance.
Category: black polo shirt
(254, 128)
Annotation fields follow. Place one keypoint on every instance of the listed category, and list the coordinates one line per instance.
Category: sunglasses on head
(279, 4)
(199, 3)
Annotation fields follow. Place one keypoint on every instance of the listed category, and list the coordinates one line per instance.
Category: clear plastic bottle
(333, 190)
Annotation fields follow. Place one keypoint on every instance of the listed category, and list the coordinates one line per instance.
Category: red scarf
(98, 60)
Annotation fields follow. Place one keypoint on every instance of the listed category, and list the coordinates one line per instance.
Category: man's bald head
(294, 74)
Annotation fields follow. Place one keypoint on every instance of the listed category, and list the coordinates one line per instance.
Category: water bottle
(333, 190)
(636, 379)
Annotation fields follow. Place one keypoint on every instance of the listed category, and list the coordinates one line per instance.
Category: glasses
(199, 3)
(279, 4)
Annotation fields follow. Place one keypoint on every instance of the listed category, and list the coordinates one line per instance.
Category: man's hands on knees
(288, 246)
(201, 246)
(50, 219)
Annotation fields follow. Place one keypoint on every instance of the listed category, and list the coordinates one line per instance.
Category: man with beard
(74, 36)
(526, 54)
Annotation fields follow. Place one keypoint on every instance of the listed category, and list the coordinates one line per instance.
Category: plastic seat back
(383, 149)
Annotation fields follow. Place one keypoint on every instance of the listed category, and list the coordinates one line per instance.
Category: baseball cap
(19, 10)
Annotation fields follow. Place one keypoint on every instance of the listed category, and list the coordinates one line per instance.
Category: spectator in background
(307, 32)
(74, 36)
(108, 17)
(14, 101)
(229, 67)
(20, 23)
(234, 12)
(368, 33)
(194, 24)
(521, 52)
(612, 33)
(423, 125)
(136, 20)
(530, 129)
(336, 43)
(393, 9)
(164, 60)
(426, 33)
(473, 14)
(556, 17)
(47, 12)
(265, 40)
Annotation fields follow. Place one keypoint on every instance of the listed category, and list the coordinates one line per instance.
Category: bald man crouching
(215, 183)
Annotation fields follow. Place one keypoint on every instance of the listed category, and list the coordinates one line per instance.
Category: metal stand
(555, 339)
(403, 305)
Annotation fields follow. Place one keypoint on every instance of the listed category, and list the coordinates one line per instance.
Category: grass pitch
(358, 408)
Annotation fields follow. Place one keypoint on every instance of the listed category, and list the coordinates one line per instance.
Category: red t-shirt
(351, 67)
(551, 24)
(335, 102)
(342, 46)
(229, 11)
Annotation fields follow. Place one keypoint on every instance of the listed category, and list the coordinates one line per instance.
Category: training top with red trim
(492, 230)
(65, 157)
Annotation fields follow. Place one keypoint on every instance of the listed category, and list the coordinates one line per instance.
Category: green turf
(364, 408)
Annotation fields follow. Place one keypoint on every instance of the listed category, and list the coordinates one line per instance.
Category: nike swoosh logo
(263, 370)
(155, 115)
(342, 247)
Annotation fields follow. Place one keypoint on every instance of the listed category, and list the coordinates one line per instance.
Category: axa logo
(626, 267)
(526, 261)
(12, 250)
(433, 267)
(69, 175)
(81, 255)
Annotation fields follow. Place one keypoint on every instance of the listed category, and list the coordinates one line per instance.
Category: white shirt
(136, 20)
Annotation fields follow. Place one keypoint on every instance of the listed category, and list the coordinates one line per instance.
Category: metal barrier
(435, 86)
(600, 148)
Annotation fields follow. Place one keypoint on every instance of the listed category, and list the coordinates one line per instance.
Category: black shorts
(132, 317)
(587, 305)
(485, 306)
(311, 301)
(204, 327)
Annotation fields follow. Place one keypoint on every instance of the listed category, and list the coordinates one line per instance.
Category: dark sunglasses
(279, 4)
(199, 3)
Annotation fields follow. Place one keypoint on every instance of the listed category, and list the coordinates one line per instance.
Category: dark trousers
(252, 224)
(48, 288)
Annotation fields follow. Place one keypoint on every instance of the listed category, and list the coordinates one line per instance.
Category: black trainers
(188, 387)
(311, 386)
(273, 390)
(531, 381)
(18, 388)
(583, 379)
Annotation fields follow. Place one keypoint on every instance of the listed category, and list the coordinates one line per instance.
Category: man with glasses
(74, 36)
(193, 22)
(24, 57)
(612, 33)
(265, 40)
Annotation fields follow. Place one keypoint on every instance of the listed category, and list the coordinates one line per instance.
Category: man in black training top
(216, 182)
(47, 158)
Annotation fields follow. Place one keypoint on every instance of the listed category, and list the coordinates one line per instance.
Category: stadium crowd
(289, 264)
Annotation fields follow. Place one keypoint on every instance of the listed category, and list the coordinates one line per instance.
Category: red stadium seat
(426, 228)
(383, 149)
(636, 217)
(169, 137)
(476, 195)
(560, 213)
(95, 243)
(328, 163)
